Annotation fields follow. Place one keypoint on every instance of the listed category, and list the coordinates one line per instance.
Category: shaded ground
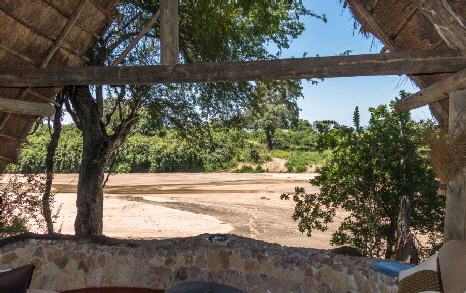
(167, 205)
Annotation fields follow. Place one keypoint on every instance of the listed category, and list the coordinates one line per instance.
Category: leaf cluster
(371, 170)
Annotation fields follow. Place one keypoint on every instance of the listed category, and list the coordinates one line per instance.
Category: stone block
(79, 255)
(236, 262)
(188, 258)
(268, 269)
(8, 258)
(102, 260)
(249, 265)
(213, 259)
(23, 254)
(224, 259)
(200, 260)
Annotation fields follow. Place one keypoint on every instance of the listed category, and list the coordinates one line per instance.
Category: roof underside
(37, 34)
(65, 30)
(401, 26)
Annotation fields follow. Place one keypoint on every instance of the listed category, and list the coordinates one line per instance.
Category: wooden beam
(28, 108)
(437, 92)
(169, 32)
(419, 62)
(455, 218)
(446, 21)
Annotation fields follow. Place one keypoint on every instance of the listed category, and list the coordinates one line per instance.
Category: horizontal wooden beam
(28, 108)
(434, 93)
(394, 63)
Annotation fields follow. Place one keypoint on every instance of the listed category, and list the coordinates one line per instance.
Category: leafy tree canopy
(208, 32)
(372, 169)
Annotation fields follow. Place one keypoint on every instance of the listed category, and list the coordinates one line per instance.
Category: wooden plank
(419, 62)
(446, 21)
(437, 92)
(24, 107)
(169, 32)
(455, 218)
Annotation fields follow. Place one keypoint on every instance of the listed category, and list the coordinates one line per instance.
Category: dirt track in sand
(166, 205)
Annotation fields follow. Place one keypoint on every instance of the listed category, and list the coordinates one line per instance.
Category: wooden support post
(455, 219)
(28, 108)
(169, 32)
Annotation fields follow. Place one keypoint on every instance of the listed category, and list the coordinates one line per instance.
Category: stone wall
(69, 262)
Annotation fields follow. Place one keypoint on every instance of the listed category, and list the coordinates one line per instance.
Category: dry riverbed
(166, 205)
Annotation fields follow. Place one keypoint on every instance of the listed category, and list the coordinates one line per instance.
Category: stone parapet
(68, 262)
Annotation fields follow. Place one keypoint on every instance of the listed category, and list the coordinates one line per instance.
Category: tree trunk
(96, 148)
(405, 250)
(49, 166)
(89, 219)
(270, 132)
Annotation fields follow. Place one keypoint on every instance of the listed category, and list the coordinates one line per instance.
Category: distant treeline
(166, 150)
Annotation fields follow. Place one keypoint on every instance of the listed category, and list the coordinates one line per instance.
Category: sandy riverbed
(169, 205)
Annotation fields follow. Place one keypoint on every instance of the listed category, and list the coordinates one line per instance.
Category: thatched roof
(43, 33)
(401, 26)
(47, 33)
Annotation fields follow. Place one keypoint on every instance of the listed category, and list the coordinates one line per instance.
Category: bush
(300, 169)
(21, 204)
(244, 169)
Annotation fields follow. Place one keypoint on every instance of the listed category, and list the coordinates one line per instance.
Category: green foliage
(244, 169)
(151, 149)
(371, 170)
(21, 204)
(278, 108)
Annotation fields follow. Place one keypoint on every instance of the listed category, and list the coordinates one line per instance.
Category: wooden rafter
(19, 55)
(56, 44)
(418, 62)
(63, 13)
(437, 92)
(370, 20)
(24, 107)
(12, 138)
(39, 33)
(66, 29)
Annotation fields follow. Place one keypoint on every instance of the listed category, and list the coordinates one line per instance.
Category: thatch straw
(448, 152)
(58, 38)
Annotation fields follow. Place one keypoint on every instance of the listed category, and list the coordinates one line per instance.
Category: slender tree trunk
(270, 132)
(49, 165)
(405, 250)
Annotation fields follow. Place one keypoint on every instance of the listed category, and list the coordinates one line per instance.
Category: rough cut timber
(169, 32)
(58, 38)
(437, 92)
(420, 62)
(27, 108)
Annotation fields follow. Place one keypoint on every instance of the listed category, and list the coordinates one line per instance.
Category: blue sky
(336, 98)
